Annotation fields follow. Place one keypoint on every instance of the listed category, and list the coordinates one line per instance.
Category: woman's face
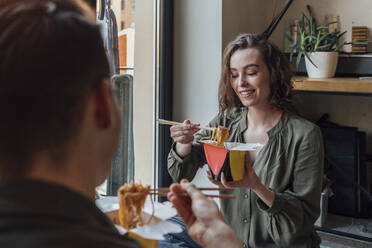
(250, 77)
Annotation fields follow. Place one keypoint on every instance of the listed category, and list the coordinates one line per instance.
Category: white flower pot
(326, 63)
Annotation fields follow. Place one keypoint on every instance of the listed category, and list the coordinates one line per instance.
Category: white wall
(197, 59)
(197, 63)
(242, 16)
(143, 91)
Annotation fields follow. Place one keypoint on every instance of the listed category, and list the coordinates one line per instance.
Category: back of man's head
(51, 58)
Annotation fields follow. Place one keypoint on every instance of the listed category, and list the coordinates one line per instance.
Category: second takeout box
(147, 235)
(229, 159)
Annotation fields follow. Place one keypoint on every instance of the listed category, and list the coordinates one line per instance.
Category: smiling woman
(255, 55)
(277, 201)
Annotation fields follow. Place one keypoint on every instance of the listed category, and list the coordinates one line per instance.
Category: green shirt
(290, 164)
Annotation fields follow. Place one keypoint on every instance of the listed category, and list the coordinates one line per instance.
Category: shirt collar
(243, 119)
(272, 132)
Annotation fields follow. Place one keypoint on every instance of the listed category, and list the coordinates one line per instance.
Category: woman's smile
(246, 93)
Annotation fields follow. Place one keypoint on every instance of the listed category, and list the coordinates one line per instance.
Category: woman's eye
(252, 73)
(234, 76)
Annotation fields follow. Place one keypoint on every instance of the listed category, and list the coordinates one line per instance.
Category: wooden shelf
(340, 85)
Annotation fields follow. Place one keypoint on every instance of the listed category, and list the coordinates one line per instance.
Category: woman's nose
(242, 80)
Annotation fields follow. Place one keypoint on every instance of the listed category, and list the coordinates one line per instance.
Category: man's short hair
(51, 57)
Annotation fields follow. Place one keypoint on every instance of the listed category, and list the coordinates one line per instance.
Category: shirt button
(245, 245)
(245, 220)
(246, 196)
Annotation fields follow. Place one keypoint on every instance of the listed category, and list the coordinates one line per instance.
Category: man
(59, 130)
(59, 126)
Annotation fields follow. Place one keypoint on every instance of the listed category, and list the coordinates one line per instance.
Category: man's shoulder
(73, 238)
(100, 239)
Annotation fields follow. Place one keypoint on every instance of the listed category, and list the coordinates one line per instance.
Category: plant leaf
(291, 53)
(339, 36)
(299, 55)
(337, 48)
(310, 60)
(326, 25)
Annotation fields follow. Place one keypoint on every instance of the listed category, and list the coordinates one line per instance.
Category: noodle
(220, 135)
(132, 199)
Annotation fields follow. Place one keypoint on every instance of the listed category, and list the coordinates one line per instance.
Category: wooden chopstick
(186, 195)
(166, 189)
(171, 123)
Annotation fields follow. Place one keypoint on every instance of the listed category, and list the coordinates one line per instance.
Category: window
(133, 6)
(122, 60)
(122, 4)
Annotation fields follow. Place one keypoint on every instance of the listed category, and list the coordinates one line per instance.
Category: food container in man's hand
(229, 159)
(147, 235)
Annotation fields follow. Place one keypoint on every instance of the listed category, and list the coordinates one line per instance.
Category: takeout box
(147, 235)
(229, 159)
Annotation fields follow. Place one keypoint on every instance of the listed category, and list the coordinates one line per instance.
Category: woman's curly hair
(279, 67)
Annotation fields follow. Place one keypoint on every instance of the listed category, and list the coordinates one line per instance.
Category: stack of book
(359, 38)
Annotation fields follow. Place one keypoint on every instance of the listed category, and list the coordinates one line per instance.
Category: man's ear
(102, 104)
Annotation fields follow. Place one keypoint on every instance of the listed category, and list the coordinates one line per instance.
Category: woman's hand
(183, 135)
(250, 179)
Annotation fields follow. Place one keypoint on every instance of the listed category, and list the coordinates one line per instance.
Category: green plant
(314, 38)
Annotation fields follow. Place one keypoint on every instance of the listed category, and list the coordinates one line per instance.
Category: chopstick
(164, 191)
(171, 123)
(186, 195)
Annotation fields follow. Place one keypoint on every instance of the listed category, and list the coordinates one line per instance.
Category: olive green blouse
(290, 164)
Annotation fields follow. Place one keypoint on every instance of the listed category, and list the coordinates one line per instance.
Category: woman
(278, 200)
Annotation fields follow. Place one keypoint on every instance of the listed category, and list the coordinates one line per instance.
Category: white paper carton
(158, 227)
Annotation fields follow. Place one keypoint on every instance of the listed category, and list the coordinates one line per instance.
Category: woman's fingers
(214, 181)
(184, 128)
(184, 133)
(223, 181)
(227, 184)
(185, 125)
(183, 139)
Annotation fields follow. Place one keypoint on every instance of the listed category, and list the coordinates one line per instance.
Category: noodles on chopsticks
(219, 135)
(132, 199)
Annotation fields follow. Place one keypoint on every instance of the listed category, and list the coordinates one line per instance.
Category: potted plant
(319, 46)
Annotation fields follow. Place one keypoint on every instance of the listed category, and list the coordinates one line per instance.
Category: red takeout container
(229, 160)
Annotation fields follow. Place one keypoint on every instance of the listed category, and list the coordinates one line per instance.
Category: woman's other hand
(250, 180)
(183, 135)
